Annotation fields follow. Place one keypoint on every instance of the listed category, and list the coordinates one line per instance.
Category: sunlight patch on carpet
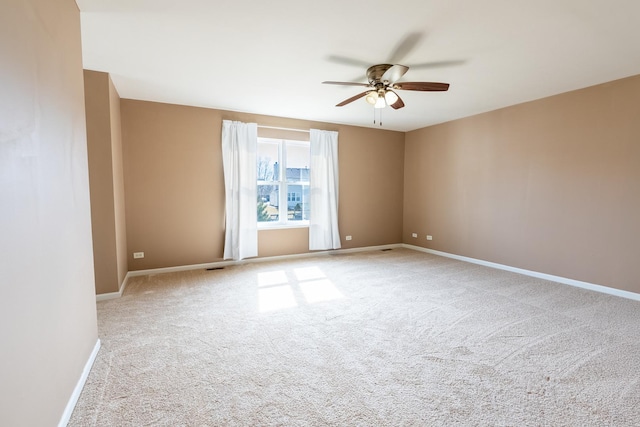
(309, 273)
(276, 298)
(320, 290)
(270, 278)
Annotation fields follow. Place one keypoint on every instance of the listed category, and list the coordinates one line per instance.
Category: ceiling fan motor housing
(375, 73)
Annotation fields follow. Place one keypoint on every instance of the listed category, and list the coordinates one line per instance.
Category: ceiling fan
(383, 82)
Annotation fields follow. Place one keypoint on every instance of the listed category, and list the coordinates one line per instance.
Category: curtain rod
(279, 128)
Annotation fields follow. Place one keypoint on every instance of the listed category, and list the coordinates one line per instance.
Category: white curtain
(239, 147)
(323, 218)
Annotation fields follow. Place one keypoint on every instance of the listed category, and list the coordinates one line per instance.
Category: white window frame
(283, 220)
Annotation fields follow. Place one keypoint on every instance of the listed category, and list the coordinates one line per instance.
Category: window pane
(297, 161)
(267, 161)
(283, 182)
(298, 203)
(268, 201)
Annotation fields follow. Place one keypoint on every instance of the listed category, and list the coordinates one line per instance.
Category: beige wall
(47, 310)
(102, 105)
(118, 184)
(551, 185)
(96, 88)
(174, 193)
(371, 186)
(174, 186)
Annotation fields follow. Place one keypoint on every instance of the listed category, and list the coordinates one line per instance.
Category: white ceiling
(270, 57)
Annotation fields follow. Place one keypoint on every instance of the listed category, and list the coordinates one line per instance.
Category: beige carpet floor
(381, 338)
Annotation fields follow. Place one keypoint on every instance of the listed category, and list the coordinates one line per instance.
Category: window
(283, 182)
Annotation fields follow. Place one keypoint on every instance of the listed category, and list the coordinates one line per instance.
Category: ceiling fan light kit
(372, 97)
(391, 97)
(383, 80)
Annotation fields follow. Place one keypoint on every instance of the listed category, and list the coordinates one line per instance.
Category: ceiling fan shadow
(343, 60)
(399, 52)
(405, 46)
(437, 64)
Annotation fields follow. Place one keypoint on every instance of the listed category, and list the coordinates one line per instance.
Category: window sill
(278, 226)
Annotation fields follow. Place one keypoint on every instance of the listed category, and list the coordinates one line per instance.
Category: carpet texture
(381, 338)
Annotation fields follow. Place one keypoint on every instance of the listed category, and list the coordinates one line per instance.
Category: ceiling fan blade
(422, 86)
(394, 73)
(346, 84)
(353, 98)
(398, 104)
(404, 47)
(348, 61)
(437, 64)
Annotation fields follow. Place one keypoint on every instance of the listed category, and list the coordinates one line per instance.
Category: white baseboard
(550, 277)
(73, 400)
(112, 295)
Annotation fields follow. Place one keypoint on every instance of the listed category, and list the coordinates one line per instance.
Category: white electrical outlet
(429, 237)
(137, 255)
(414, 234)
(348, 238)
